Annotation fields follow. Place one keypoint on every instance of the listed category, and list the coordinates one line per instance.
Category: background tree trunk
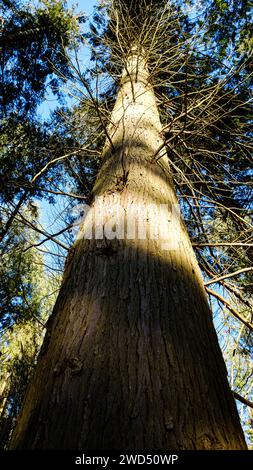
(131, 358)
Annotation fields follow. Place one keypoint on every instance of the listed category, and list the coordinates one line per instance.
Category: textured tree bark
(131, 358)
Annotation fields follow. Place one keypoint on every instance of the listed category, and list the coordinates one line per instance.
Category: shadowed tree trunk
(131, 358)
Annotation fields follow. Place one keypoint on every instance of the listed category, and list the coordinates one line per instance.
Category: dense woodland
(199, 56)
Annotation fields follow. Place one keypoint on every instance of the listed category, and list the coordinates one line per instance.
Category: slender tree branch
(217, 279)
(231, 309)
(243, 400)
(42, 232)
(222, 244)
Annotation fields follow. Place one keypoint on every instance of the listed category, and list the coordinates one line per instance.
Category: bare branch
(225, 276)
(231, 309)
(243, 400)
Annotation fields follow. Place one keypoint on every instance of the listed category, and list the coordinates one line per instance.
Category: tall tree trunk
(131, 359)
